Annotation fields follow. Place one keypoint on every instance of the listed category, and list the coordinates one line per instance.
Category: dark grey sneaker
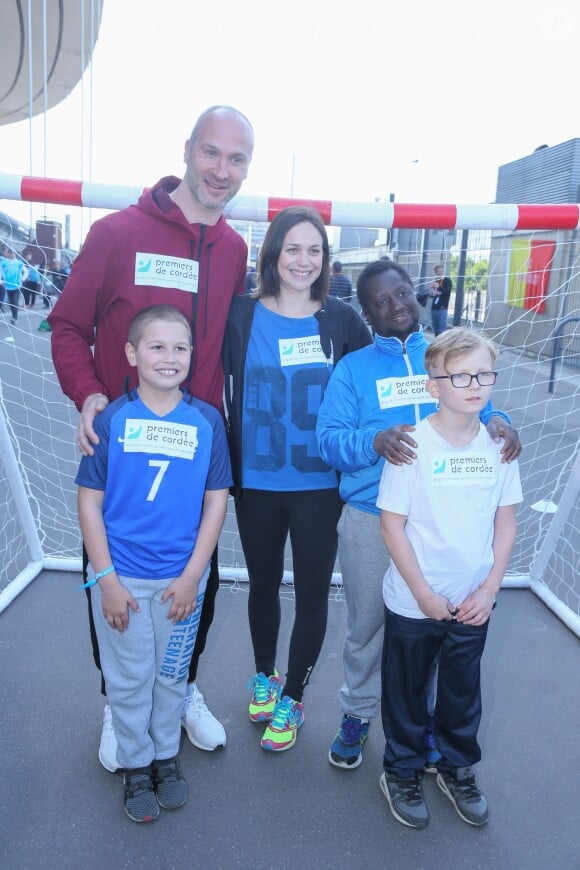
(406, 801)
(140, 801)
(463, 792)
(172, 788)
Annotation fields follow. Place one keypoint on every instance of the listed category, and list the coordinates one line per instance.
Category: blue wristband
(98, 576)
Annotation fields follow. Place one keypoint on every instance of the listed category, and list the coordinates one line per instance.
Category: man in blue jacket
(373, 400)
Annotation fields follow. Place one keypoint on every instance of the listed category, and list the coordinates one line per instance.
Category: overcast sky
(424, 100)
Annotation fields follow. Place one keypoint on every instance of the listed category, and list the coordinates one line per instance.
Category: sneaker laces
(194, 705)
(286, 712)
(168, 770)
(469, 789)
(137, 782)
(350, 730)
(411, 789)
(261, 687)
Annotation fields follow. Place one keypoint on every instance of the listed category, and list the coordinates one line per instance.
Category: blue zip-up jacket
(373, 389)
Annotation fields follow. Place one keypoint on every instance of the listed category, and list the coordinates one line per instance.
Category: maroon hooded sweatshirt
(127, 263)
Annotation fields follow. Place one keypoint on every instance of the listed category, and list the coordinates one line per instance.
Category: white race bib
(170, 439)
(161, 270)
(298, 351)
(406, 390)
(451, 469)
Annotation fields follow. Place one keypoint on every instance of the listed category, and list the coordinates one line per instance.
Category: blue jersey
(154, 472)
(286, 373)
(12, 272)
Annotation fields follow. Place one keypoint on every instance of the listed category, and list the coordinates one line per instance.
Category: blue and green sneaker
(265, 694)
(286, 719)
(346, 749)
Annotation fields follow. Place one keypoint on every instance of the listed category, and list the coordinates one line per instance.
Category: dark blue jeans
(14, 300)
(439, 320)
(409, 650)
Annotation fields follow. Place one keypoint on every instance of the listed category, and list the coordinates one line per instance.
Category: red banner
(541, 256)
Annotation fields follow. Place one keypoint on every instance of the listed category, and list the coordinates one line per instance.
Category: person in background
(31, 285)
(173, 246)
(158, 447)
(449, 523)
(251, 280)
(340, 286)
(13, 273)
(58, 276)
(46, 286)
(440, 291)
(373, 401)
(280, 348)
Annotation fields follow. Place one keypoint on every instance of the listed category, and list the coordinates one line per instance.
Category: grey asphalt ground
(59, 809)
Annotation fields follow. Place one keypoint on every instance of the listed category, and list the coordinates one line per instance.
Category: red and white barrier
(387, 215)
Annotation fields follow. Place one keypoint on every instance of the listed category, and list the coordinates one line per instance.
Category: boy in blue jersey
(152, 502)
(374, 399)
(449, 522)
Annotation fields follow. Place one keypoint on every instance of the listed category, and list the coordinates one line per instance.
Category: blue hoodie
(372, 389)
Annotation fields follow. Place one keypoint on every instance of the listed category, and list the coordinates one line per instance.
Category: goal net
(523, 288)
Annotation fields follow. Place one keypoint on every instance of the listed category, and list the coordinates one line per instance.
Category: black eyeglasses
(462, 380)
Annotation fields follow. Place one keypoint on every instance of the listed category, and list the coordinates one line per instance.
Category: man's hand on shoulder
(498, 428)
(395, 445)
(86, 435)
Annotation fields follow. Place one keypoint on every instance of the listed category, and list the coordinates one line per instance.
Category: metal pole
(459, 294)
(390, 231)
(424, 252)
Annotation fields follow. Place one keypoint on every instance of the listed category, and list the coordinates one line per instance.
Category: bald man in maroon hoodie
(173, 246)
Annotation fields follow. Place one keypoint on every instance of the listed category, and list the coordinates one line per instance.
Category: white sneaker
(108, 744)
(202, 728)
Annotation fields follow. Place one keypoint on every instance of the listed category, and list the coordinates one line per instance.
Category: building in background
(526, 267)
(40, 65)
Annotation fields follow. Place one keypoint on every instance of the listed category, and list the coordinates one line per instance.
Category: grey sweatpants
(145, 670)
(363, 560)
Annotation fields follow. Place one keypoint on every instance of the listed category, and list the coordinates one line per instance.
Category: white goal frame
(15, 481)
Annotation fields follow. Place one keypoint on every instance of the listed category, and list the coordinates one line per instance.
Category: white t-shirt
(449, 496)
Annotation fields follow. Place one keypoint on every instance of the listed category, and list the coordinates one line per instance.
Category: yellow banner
(519, 268)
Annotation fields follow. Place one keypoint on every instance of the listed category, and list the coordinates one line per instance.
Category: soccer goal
(521, 286)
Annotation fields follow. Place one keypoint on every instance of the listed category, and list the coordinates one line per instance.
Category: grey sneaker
(140, 802)
(406, 801)
(172, 789)
(463, 792)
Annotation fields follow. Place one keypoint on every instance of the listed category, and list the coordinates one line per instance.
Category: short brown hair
(143, 318)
